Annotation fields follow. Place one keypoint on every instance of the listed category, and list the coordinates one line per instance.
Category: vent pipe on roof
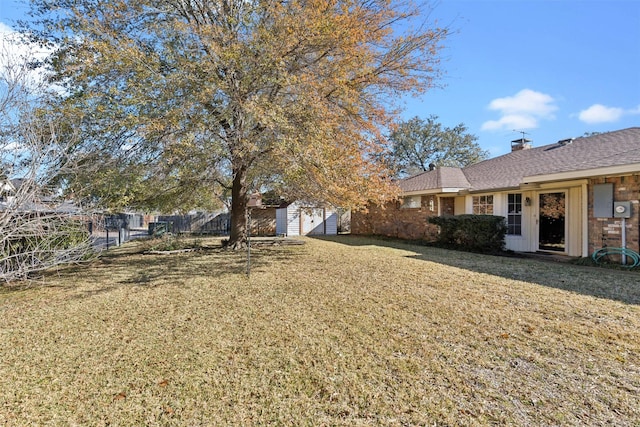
(520, 144)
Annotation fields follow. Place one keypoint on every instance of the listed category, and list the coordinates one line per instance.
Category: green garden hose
(630, 254)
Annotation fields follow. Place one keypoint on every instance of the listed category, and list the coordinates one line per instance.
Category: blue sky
(554, 69)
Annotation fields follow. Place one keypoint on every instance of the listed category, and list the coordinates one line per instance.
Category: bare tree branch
(37, 230)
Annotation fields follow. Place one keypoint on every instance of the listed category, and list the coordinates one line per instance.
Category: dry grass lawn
(345, 331)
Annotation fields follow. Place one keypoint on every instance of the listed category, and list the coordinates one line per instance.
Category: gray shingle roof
(616, 148)
(440, 178)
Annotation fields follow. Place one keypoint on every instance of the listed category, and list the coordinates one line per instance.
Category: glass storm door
(551, 230)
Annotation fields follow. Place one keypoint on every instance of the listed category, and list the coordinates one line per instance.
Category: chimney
(520, 144)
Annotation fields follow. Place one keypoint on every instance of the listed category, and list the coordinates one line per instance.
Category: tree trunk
(239, 199)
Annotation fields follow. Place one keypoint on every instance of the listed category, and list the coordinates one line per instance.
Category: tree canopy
(418, 143)
(180, 100)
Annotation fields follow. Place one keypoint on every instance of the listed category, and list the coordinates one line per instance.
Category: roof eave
(465, 191)
(581, 174)
(433, 191)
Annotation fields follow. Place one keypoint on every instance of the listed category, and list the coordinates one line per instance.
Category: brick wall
(394, 221)
(608, 231)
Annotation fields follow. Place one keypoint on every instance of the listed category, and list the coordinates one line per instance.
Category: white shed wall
(331, 222)
(293, 219)
(313, 220)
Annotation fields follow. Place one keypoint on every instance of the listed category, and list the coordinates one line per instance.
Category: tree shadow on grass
(617, 285)
(130, 266)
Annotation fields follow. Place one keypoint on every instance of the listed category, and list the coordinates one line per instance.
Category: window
(514, 214)
(411, 202)
(483, 205)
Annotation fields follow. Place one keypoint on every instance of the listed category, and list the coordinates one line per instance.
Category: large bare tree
(190, 98)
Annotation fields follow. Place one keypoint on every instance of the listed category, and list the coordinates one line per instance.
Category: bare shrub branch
(38, 228)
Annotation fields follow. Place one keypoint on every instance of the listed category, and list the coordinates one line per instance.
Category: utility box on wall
(603, 200)
(622, 209)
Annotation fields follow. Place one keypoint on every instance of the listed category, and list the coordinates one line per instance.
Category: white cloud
(15, 53)
(511, 121)
(526, 101)
(10, 43)
(523, 110)
(599, 113)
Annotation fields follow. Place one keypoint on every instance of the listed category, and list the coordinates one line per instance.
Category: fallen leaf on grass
(120, 396)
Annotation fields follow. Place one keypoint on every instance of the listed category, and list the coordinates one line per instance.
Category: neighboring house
(10, 198)
(571, 197)
(7, 192)
(302, 219)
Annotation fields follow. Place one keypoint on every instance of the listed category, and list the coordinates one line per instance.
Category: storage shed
(300, 219)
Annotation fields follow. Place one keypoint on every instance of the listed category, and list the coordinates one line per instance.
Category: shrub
(36, 242)
(474, 233)
(171, 242)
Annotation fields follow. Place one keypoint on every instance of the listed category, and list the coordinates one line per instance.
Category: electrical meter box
(622, 209)
(603, 200)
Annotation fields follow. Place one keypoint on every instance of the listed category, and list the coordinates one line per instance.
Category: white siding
(460, 206)
(293, 219)
(523, 242)
(313, 220)
(331, 222)
(574, 221)
(500, 204)
(575, 233)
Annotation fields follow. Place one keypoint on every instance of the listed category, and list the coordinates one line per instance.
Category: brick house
(571, 197)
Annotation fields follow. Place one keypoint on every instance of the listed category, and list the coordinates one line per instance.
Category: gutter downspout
(585, 220)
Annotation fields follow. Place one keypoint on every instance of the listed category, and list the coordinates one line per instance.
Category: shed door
(312, 221)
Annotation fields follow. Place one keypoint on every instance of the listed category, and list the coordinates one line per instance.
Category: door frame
(565, 191)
